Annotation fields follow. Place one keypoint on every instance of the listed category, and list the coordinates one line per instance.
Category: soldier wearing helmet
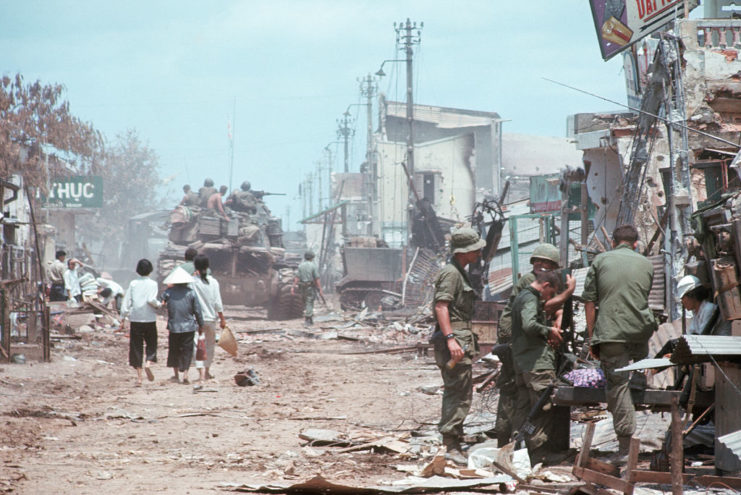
(206, 192)
(243, 200)
(455, 342)
(190, 198)
(545, 257)
(307, 279)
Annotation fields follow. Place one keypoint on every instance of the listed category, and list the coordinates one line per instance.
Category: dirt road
(78, 424)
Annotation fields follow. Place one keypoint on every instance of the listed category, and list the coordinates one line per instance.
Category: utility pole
(302, 195)
(318, 165)
(368, 88)
(330, 166)
(407, 38)
(231, 143)
(345, 132)
(310, 187)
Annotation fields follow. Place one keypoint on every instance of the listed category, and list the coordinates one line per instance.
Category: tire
(286, 306)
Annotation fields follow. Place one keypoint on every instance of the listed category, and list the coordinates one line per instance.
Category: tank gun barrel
(260, 194)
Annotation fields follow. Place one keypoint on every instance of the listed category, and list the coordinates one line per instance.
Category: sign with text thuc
(75, 192)
(620, 23)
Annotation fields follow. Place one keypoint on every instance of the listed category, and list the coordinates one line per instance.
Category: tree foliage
(38, 135)
(130, 171)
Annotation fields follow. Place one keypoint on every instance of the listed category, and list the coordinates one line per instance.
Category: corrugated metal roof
(657, 296)
(694, 348)
(732, 443)
(580, 274)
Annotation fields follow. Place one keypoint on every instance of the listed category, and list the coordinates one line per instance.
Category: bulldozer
(246, 255)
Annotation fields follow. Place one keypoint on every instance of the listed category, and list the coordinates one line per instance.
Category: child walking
(139, 305)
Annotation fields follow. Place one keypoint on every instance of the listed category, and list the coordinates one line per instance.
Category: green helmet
(309, 255)
(245, 186)
(546, 252)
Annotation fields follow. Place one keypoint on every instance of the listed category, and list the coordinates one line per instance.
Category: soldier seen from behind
(190, 198)
(618, 282)
(307, 279)
(206, 192)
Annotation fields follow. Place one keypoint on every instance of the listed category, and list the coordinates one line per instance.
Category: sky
(285, 71)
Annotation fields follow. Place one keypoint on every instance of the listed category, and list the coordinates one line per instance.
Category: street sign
(75, 192)
(620, 23)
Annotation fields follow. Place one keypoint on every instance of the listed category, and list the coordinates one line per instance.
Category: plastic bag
(201, 348)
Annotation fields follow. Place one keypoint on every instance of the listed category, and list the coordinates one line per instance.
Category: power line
(662, 119)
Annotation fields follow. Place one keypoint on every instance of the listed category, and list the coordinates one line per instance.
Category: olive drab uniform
(619, 281)
(508, 420)
(535, 360)
(308, 272)
(204, 193)
(452, 285)
(244, 201)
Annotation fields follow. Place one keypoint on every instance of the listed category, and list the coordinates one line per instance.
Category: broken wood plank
(660, 477)
(389, 443)
(392, 350)
(635, 447)
(489, 378)
(264, 330)
(583, 458)
(604, 479)
(676, 456)
(707, 480)
(602, 467)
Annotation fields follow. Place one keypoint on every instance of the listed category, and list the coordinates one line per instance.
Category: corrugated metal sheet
(580, 274)
(732, 443)
(695, 348)
(657, 296)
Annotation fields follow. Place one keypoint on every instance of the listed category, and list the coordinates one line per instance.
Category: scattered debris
(247, 378)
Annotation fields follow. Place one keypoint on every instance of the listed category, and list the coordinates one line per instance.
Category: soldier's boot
(307, 321)
(454, 452)
(620, 459)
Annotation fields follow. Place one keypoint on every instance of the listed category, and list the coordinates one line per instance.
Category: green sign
(75, 192)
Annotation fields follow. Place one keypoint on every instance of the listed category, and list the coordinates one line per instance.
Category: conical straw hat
(178, 276)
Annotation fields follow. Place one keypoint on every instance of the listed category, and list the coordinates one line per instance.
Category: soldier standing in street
(619, 281)
(455, 342)
(307, 279)
(533, 344)
(545, 257)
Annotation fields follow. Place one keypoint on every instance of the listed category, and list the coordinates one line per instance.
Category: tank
(246, 256)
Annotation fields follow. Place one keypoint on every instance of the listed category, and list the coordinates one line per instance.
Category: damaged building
(667, 164)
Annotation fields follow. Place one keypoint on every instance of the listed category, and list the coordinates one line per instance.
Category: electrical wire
(664, 120)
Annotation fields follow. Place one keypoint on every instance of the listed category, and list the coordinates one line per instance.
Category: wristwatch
(450, 336)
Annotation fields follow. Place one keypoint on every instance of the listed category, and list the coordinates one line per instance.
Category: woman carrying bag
(207, 291)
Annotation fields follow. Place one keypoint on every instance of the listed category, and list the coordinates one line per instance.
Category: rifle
(527, 426)
(261, 194)
(321, 296)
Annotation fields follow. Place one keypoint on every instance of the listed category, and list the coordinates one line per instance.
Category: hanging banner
(75, 192)
(620, 23)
